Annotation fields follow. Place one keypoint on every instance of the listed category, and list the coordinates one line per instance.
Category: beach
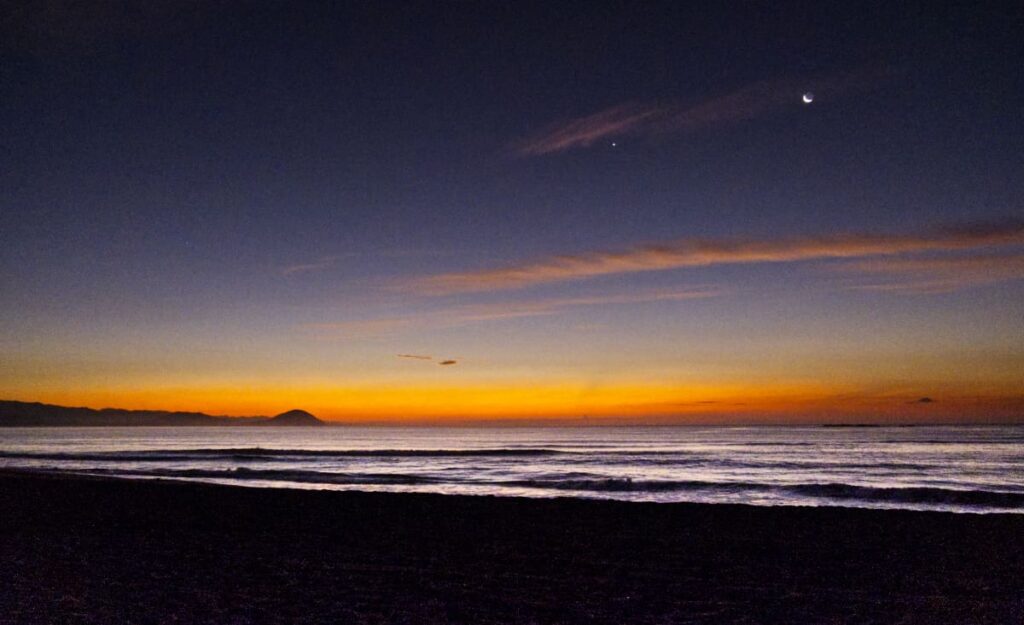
(91, 550)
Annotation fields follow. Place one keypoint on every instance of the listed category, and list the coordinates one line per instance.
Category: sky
(476, 212)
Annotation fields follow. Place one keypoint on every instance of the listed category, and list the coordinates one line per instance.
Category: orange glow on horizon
(561, 402)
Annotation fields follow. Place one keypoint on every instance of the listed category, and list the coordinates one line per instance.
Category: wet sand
(82, 550)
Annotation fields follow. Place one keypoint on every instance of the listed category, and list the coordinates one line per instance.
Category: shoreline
(326, 488)
(94, 549)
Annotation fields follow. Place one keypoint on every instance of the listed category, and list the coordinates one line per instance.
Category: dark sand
(75, 550)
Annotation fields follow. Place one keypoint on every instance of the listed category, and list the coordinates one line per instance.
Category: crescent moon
(808, 98)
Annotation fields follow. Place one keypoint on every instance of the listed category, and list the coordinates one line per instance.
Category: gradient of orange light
(793, 403)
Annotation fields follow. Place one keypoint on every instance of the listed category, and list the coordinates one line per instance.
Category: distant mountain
(294, 417)
(25, 414)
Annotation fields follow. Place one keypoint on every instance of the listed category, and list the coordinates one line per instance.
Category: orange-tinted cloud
(479, 313)
(705, 252)
(552, 306)
(745, 103)
(939, 275)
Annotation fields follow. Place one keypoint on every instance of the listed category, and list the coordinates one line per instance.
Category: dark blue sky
(177, 163)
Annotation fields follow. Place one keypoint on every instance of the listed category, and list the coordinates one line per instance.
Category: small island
(293, 418)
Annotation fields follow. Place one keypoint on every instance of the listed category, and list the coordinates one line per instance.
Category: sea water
(961, 469)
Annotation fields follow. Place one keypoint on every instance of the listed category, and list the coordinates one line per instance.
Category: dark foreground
(78, 550)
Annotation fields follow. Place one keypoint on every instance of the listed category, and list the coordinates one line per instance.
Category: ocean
(976, 469)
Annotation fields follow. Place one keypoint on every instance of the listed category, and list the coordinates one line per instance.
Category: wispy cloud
(705, 252)
(495, 312)
(551, 306)
(939, 275)
(616, 121)
(363, 328)
(324, 262)
(443, 363)
(747, 102)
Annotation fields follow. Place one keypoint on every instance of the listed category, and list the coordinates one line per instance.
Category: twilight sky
(436, 211)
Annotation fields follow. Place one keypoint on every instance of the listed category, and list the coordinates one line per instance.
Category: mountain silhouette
(294, 417)
(26, 414)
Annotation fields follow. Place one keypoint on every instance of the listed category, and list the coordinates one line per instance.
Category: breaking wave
(576, 483)
(953, 469)
(265, 454)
